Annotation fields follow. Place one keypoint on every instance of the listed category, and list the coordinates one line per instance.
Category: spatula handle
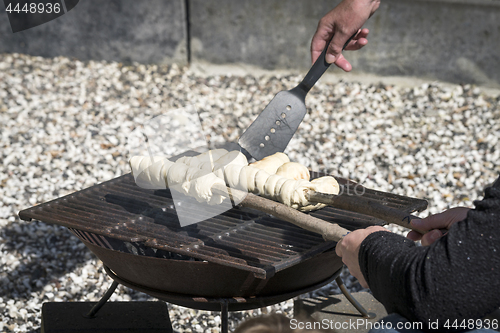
(319, 67)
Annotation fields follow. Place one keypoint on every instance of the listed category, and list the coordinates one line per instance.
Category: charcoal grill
(238, 260)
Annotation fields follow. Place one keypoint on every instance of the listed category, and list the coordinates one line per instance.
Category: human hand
(348, 249)
(341, 23)
(435, 222)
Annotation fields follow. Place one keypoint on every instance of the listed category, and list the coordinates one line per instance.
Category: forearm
(438, 282)
(383, 260)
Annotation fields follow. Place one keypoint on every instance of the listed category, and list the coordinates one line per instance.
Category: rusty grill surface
(246, 239)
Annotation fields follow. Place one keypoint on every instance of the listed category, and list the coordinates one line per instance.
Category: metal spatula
(277, 123)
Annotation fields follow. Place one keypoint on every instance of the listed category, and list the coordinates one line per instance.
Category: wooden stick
(329, 231)
(365, 206)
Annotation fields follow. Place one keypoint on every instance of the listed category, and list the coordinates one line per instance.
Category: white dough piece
(279, 184)
(158, 173)
(270, 185)
(150, 172)
(326, 184)
(260, 181)
(247, 178)
(176, 174)
(231, 158)
(271, 163)
(191, 174)
(287, 191)
(206, 158)
(183, 159)
(232, 175)
(201, 187)
(293, 170)
(208, 165)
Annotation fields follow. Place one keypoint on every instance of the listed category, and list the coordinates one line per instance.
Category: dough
(270, 186)
(206, 158)
(232, 158)
(326, 184)
(176, 174)
(150, 172)
(196, 177)
(293, 170)
(191, 174)
(271, 163)
(287, 191)
(247, 178)
(201, 187)
(260, 181)
(232, 175)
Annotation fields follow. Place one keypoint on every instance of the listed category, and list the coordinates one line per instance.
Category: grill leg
(102, 301)
(351, 299)
(224, 316)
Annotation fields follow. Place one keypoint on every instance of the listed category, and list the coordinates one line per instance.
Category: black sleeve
(457, 277)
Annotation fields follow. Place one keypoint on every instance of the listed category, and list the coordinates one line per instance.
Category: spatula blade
(276, 124)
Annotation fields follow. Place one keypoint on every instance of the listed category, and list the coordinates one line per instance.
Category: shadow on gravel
(37, 254)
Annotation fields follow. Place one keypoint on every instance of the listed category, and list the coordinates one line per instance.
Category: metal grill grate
(240, 238)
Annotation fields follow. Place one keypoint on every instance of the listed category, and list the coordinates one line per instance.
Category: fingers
(335, 48)
(317, 45)
(431, 222)
(343, 64)
(334, 52)
(359, 41)
(322, 35)
(414, 236)
(431, 237)
(442, 220)
(426, 239)
(338, 248)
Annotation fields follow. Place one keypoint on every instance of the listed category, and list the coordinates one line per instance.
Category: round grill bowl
(206, 279)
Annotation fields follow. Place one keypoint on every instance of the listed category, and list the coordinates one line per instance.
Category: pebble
(66, 125)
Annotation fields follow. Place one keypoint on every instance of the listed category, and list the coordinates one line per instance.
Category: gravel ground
(65, 124)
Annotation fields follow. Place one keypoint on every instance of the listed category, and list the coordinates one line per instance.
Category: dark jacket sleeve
(457, 277)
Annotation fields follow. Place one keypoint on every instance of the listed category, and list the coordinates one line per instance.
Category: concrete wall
(450, 40)
(152, 31)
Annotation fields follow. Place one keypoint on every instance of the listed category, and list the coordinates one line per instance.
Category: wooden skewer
(365, 206)
(329, 231)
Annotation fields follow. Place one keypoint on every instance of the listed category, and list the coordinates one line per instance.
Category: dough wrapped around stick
(150, 172)
(293, 170)
(327, 185)
(271, 163)
(204, 160)
(190, 181)
(231, 158)
(289, 185)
